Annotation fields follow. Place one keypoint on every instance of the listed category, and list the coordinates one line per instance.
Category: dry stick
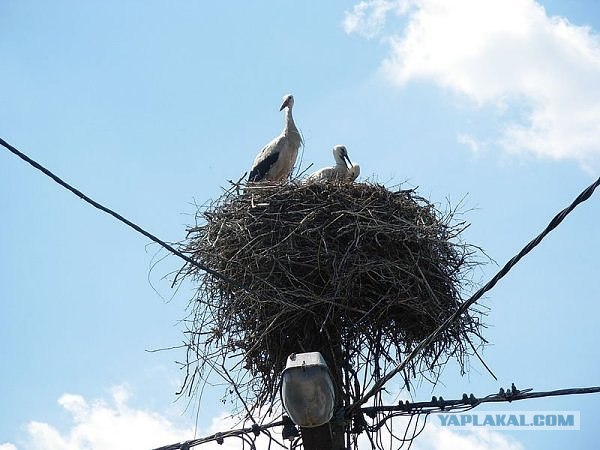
(479, 356)
(119, 217)
(586, 194)
(234, 385)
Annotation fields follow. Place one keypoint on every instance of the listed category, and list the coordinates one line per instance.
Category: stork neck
(339, 162)
(290, 126)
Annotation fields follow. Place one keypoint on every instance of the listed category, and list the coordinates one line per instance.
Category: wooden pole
(330, 436)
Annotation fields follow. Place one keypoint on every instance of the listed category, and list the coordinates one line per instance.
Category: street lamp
(307, 391)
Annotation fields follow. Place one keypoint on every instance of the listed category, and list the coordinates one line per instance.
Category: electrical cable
(401, 409)
(119, 217)
(436, 405)
(583, 196)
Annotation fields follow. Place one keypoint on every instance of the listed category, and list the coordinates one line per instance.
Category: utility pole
(330, 436)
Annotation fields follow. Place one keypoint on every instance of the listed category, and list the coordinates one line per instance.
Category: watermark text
(513, 420)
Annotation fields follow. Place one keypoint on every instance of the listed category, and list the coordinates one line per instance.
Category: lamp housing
(307, 391)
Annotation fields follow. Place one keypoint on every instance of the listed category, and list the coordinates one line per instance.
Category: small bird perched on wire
(276, 160)
(343, 169)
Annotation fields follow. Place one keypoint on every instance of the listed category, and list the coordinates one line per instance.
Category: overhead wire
(436, 405)
(378, 385)
(445, 406)
(119, 217)
(470, 401)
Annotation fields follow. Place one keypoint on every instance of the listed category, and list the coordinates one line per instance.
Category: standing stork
(341, 170)
(276, 160)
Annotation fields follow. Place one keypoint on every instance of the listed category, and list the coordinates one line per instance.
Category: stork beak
(285, 103)
(347, 158)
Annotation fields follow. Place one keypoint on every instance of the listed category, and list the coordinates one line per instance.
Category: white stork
(341, 170)
(276, 160)
(353, 172)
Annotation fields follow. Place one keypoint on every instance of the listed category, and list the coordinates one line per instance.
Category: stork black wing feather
(259, 171)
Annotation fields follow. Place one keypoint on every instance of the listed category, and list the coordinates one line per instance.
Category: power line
(586, 194)
(436, 405)
(256, 429)
(470, 401)
(118, 216)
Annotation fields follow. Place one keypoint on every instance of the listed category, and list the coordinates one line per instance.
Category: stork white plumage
(276, 160)
(338, 172)
(353, 172)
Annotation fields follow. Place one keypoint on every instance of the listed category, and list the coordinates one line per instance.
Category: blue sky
(151, 106)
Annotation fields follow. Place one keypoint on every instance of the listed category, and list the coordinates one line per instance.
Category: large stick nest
(356, 271)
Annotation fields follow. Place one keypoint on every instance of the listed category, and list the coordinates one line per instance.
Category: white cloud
(438, 438)
(102, 425)
(7, 447)
(368, 17)
(113, 425)
(500, 53)
(466, 139)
